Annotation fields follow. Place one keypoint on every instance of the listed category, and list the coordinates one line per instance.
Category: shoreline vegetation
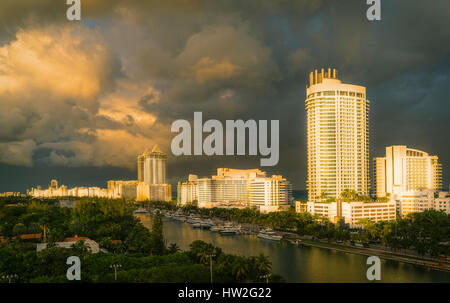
(419, 239)
(123, 240)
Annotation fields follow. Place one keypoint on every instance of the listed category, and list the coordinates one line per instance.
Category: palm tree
(173, 248)
(240, 269)
(263, 264)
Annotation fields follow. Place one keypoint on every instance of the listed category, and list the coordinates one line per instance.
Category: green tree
(173, 248)
(19, 229)
(156, 235)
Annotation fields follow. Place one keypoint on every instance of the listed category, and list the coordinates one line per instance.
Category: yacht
(206, 224)
(195, 222)
(141, 210)
(217, 228)
(228, 229)
(179, 217)
(269, 235)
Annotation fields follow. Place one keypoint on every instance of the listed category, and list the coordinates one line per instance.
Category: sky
(79, 100)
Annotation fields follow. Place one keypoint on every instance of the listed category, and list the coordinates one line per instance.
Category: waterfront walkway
(381, 252)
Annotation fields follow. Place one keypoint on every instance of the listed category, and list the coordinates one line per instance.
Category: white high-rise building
(269, 193)
(151, 183)
(237, 188)
(229, 185)
(187, 192)
(405, 169)
(337, 137)
(152, 166)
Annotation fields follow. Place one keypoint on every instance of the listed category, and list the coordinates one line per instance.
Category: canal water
(298, 264)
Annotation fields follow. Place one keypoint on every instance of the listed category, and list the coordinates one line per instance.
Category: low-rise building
(154, 192)
(92, 246)
(442, 201)
(301, 206)
(353, 212)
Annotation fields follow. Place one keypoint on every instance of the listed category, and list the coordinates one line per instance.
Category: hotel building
(187, 192)
(405, 169)
(152, 166)
(269, 193)
(337, 137)
(151, 173)
(237, 188)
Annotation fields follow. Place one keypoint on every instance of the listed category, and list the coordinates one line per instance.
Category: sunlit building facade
(405, 169)
(337, 137)
(237, 188)
(152, 166)
(414, 201)
(269, 193)
(187, 192)
(151, 176)
(353, 212)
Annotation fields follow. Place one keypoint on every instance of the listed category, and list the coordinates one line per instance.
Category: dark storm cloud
(251, 59)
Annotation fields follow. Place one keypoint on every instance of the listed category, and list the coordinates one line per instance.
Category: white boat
(195, 222)
(228, 229)
(269, 235)
(141, 210)
(215, 228)
(206, 224)
(179, 217)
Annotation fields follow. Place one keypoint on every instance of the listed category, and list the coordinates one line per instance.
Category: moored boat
(269, 235)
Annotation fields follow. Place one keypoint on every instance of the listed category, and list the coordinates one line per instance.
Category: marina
(296, 263)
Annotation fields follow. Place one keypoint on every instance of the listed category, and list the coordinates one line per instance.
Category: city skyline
(84, 121)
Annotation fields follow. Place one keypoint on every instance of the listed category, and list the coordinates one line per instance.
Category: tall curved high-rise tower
(337, 135)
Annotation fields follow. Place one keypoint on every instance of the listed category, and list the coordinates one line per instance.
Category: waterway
(299, 264)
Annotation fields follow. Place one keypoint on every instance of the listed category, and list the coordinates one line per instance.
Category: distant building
(187, 192)
(442, 201)
(152, 166)
(122, 189)
(301, 206)
(151, 184)
(54, 191)
(154, 192)
(11, 194)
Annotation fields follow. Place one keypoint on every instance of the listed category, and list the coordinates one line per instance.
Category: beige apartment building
(337, 136)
